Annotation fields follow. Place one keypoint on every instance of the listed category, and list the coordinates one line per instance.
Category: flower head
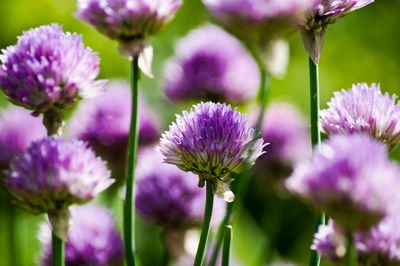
(48, 68)
(130, 22)
(168, 196)
(323, 13)
(54, 174)
(18, 128)
(93, 239)
(363, 109)
(352, 179)
(258, 21)
(104, 123)
(211, 65)
(377, 246)
(212, 140)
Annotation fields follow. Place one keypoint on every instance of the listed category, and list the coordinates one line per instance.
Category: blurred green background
(362, 47)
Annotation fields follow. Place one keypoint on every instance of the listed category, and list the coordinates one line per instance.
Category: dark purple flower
(363, 110)
(352, 179)
(258, 21)
(168, 196)
(213, 141)
(93, 239)
(18, 128)
(54, 174)
(380, 245)
(130, 22)
(48, 68)
(104, 123)
(210, 64)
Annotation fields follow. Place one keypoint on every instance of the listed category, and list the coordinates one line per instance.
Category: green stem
(263, 93)
(226, 251)
(57, 253)
(315, 258)
(12, 218)
(129, 206)
(351, 252)
(205, 228)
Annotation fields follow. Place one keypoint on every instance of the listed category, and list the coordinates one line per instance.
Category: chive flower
(49, 69)
(93, 239)
(210, 64)
(351, 179)
(130, 22)
(104, 122)
(213, 141)
(363, 109)
(54, 174)
(18, 128)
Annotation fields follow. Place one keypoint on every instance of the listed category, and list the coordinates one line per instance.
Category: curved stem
(205, 228)
(315, 258)
(351, 252)
(263, 93)
(129, 205)
(226, 251)
(57, 252)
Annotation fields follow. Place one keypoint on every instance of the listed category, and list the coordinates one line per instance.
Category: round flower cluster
(131, 23)
(352, 179)
(54, 174)
(212, 140)
(93, 239)
(210, 64)
(48, 68)
(363, 109)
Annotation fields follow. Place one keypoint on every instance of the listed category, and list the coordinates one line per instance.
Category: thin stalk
(243, 180)
(205, 228)
(57, 254)
(12, 242)
(351, 252)
(129, 204)
(226, 251)
(315, 258)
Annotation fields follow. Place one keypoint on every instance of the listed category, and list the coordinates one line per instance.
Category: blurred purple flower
(18, 128)
(130, 22)
(209, 64)
(380, 245)
(54, 174)
(213, 141)
(258, 21)
(48, 68)
(352, 179)
(363, 109)
(93, 239)
(168, 196)
(323, 13)
(104, 123)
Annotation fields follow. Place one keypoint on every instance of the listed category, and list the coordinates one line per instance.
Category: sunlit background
(362, 47)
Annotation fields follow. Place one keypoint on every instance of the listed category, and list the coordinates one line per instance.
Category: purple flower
(210, 64)
(352, 179)
(258, 21)
(18, 128)
(104, 123)
(363, 109)
(323, 13)
(130, 22)
(93, 239)
(289, 141)
(48, 68)
(212, 140)
(377, 246)
(168, 196)
(54, 174)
